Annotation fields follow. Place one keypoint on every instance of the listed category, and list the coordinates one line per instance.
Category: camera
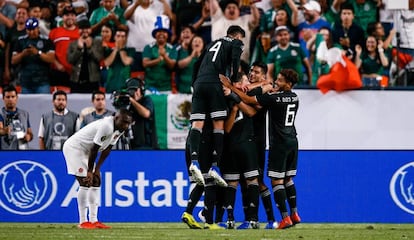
(120, 99)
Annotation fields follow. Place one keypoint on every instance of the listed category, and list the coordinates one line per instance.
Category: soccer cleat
(201, 215)
(86, 225)
(214, 172)
(285, 223)
(213, 226)
(100, 225)
(248, 225)
(190, 221)
(271, 225)
(222, 224)
(196, 173)
(295, 218)
(230, 224)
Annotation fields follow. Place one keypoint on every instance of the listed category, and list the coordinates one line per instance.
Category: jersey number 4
(215, 48)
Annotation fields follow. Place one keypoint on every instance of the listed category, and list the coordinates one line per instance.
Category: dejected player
(81, 151)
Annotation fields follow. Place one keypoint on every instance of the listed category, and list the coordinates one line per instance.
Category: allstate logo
(27, 187)
(402, 187)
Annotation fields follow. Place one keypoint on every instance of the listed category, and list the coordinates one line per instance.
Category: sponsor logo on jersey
(27, 187)
(402, 187)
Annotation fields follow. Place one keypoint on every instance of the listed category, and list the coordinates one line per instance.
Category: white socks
(82, 203)
(94, 193)
(88, 197)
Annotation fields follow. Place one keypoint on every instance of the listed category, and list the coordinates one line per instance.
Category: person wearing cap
(143, 134)
(222, 19)
(60, 7)
(85, 55)
(108, 12)
(34, 53)
(62, 37)
(118, 62)
(140, 17)
(159, 58)
(313, 22)
(287, 55)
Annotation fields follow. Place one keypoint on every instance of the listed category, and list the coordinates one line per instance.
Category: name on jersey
(286, 99)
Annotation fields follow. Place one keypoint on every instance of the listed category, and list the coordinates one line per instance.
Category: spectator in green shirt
(159, 58)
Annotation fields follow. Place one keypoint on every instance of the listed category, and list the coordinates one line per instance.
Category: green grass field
(175, 231)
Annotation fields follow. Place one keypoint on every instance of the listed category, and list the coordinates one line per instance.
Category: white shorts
(76, 161)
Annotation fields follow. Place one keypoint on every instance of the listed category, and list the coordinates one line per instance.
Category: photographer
(15, 130)
(142, 134)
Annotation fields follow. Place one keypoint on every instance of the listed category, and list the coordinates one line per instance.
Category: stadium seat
(138, 74)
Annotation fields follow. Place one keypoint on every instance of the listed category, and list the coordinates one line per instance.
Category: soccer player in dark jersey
(241, 159)
(257, 75)
(283, 152)
(220, 57)
(195, 195)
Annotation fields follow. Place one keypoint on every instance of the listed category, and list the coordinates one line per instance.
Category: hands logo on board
(27, 187)
(402, 187)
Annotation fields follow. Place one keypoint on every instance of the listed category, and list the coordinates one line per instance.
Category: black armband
(233, 96)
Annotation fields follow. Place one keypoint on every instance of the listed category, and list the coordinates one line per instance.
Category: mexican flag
(172, 119)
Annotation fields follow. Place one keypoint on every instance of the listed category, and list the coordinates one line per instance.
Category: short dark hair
(59, 92)
(261, 65)
(290, 76)
(97, 92)
(346, 6)
(235, 29)
(9, 88)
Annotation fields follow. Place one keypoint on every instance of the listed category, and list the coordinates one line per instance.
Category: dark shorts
(208, 98)
(240, 159)
(283, 160)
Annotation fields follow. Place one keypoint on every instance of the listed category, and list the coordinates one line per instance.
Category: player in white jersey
(81, 151)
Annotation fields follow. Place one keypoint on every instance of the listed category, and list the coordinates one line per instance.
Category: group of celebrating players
(227, 141)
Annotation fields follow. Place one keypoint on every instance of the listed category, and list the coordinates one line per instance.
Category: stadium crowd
(160, 41)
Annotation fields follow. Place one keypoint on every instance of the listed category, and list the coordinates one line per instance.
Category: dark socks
(253, 202)
(291, 195)
(267, 203)
(280, 199)
(195, 138)
(195, 196)
(229, 202)
(218, 136)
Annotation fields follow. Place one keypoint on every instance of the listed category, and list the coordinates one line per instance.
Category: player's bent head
(233, 30)
(290, 76)
(123, 118)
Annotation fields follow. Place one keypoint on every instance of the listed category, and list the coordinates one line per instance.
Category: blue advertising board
(152, 186)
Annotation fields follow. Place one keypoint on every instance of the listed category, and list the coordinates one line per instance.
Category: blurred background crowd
(81, 46)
